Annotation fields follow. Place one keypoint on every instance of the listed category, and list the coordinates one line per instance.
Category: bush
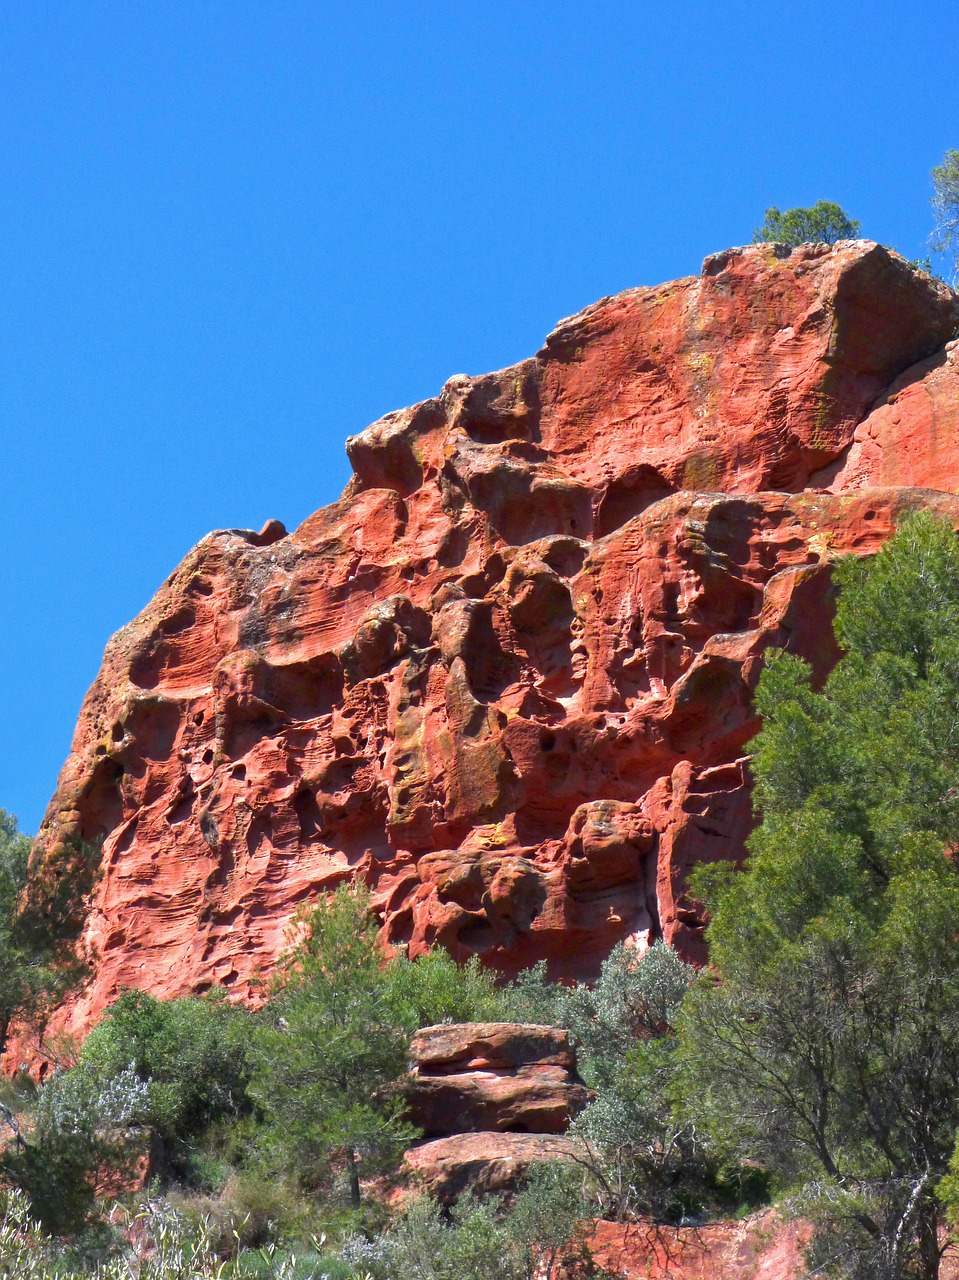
(477, 1240)
(192, 1055)
(434, 988)
(80, 1128)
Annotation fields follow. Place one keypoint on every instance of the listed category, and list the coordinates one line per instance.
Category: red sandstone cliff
(506, 679)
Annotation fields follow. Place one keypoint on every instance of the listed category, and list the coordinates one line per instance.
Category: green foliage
(824, 222)
(191, 1054)
(434, 988)
(80, 1129)
(329, 1047)
(945, 206)
(476, 1240)
(829, 1050)
(40, 921)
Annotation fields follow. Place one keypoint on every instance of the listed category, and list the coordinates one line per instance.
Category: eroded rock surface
(506, 678)
(498, 1077)
(483, 1163)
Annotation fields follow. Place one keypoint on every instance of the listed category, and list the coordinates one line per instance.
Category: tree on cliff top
(945, 205)
(829, 1047)
(823, 223)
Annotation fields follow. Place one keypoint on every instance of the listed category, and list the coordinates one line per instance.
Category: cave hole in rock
(153, 723)
(629, 495)
(101, 803)
(305, 690)
(308, 815)
(182, 808)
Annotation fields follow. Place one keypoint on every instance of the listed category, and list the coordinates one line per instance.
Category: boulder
(486, 1163)
(497, 1076)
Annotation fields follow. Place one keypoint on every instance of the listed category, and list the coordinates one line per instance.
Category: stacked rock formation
(486, 1095)
(506, 679)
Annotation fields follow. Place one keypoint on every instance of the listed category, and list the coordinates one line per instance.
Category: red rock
(489, 1046)
(506, 678)
(910, 438)
(496, 1076)
(763, 1247)
(487, 1163)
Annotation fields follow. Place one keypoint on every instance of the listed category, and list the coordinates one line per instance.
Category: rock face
(495, 1077)
(764, 1247)
(506, 679)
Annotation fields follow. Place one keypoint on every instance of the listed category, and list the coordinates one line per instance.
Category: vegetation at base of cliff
(41, 916)
(822, 223)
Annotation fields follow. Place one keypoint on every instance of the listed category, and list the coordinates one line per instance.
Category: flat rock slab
(483, 1162)
(489, 1046)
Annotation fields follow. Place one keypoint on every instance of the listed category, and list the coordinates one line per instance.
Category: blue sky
(234, 233)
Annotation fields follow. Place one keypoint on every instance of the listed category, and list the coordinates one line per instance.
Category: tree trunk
(927, 1233)
(354, 1174)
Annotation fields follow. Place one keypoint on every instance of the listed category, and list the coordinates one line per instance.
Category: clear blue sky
(233, 233)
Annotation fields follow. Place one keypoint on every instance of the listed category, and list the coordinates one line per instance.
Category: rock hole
(628, 496)
(308, 814)
(183, 807)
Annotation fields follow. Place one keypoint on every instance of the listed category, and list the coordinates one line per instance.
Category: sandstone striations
(506, 678)
(493, 1077)
(491, 1099)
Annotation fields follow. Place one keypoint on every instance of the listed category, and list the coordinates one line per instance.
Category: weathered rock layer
(491, 1099)
(506, 678)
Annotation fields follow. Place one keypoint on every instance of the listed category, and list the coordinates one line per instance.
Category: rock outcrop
(496, 1077)
(506, 678)
(492, 1099)
(763, 1247)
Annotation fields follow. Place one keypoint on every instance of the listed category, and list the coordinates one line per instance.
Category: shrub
(434, 988)
(192, 1055)
(80, 1127)
(477, 1240)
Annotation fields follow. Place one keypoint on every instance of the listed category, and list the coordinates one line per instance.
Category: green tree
(15, 977)
(79, 1129)
(191, 1054)
(330, 1047)
(41, 916)
(824, 222)
(945, 207)
(829, 1046)
(434, 988)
